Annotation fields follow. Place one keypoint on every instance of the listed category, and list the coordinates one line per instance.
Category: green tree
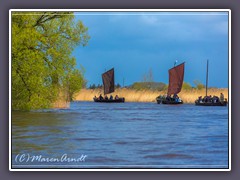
(117, 85)
(186, 86)
(42, 44)
(93, 86)
(137, 86)
(74, 82)
(148, 86)
(198, 84)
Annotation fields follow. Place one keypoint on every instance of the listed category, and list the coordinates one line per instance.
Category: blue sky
(135, 42)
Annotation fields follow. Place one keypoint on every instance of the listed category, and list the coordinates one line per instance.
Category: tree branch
(44, 18)
(24, 82)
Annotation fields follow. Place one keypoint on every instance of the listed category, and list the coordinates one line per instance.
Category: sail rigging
(108, 81)
(209, 100)
(176, 75)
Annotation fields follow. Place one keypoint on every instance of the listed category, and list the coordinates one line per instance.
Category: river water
(124, 135)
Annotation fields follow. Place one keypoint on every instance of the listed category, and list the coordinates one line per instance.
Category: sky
(134, 42)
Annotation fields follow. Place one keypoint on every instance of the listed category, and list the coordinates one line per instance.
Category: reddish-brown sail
(176, 76)
(108, 81)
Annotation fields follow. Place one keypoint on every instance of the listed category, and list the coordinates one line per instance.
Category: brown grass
(188, 96)
(61, 105)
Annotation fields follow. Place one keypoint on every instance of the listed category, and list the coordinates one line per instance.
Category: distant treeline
(154, 86)
(99, 86)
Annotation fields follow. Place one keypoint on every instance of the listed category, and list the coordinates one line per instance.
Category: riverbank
(188, 96)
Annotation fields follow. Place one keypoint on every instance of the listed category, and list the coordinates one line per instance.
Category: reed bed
(188, 96)
(60, 104)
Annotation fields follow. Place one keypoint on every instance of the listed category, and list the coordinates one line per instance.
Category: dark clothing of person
(100, 97)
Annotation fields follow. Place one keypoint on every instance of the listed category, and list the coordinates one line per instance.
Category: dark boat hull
(164, 101)
(224, 103)
(172, 102)
(120, 100)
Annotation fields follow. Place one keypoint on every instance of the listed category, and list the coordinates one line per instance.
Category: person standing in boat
(116, 97)
(210, 99)
(214, 99)
(176, 97)
(221, 97)
(100, 97)
(111, 97)
(200, 99)
(106, 97)
(168, 98)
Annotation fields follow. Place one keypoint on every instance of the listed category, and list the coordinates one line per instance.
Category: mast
(175, 63)
(207, 79)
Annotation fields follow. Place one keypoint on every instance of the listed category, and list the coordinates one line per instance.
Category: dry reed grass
(62, 102)
(188, 96)
(61, 105)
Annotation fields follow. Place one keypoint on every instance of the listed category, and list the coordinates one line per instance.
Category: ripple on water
(170, 156)
(129, 133)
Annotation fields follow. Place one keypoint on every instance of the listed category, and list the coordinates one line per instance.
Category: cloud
(144, 40)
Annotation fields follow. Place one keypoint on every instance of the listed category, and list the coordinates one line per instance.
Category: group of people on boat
(106, 97)
(211, 99)
(173, 97)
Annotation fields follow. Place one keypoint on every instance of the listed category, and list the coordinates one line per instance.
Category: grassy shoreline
(188, 96)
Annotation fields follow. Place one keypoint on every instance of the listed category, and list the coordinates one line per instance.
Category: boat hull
(172, 102)
(224, 103)
(120, 100)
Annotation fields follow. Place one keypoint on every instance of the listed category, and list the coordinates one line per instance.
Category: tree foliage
(100, 86)
(42, 65)
(198, 84)
(74, 81)
(186, 86)
(156, 86)
(117, 86)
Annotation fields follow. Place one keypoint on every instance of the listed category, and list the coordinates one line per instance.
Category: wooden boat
(120, 100)
(172, 101)
(210, 102)
(223, 103)
(176, 75)
(108, 84)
